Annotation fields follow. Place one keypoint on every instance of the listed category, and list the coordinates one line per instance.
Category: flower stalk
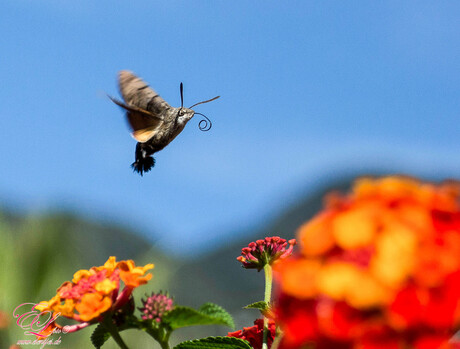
(267, 298)
(263, 254)
(161, 335)
(112, 329)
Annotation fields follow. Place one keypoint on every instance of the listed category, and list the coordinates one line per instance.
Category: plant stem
(277, 340)
(165, 342)
(161, 335)
(110, 326)
(267, 299)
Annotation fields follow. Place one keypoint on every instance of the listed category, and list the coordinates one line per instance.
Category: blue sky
(309, 89)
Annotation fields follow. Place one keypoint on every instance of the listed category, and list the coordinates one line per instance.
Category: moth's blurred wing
(145, 134)
(143, 123)
(137, 93)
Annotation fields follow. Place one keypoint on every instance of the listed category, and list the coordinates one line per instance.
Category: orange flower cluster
(379, 267)
(95, 291)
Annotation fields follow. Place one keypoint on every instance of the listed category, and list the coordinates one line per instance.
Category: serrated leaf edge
(216, 340)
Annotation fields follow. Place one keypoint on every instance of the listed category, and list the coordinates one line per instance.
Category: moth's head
(185, 114)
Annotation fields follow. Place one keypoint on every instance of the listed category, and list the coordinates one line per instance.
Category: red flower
(266, 251)
(254, 334)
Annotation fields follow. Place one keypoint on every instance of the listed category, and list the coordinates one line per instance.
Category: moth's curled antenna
(205, 124)
(181, 94)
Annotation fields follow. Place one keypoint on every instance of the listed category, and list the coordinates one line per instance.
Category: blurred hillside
(41, 252)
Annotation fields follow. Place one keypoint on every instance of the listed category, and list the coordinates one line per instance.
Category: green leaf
(208, 314)
(217, 312)
(215, 343)
(99, 336)
(262, 306)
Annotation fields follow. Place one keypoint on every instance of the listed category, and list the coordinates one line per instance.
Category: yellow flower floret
(106, 286)
(346, 282)
(393, 260)
(354, 228)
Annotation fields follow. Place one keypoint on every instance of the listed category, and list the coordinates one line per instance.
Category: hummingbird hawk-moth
(153, 121)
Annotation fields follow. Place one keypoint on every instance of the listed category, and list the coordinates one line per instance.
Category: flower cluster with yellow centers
(93, 292)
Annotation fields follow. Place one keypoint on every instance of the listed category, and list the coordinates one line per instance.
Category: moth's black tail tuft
(144, 162)
(143, 165)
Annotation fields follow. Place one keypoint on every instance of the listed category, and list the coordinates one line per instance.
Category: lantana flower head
(156, 306)
(266, 251)
(93, 292)
(378, 267)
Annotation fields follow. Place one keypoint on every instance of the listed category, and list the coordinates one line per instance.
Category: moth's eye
(181, 112)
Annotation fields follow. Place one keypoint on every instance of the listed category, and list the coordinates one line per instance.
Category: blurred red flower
(378, 268)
